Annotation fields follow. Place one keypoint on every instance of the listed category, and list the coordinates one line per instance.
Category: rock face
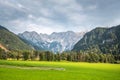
(56, 42)
(105, 40)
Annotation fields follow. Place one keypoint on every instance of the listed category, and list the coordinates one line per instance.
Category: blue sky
(47, 16)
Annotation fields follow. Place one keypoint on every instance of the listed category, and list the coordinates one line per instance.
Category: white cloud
(77, 18)
(67, 7)
(92, 7)
(12, 5)
(47, 16)
(7, 3)
(32, 27)
(20, 5)
(30, 16)
(70, 9)
(45, 21)
(61, 2)
(44, 26)
(46, 12)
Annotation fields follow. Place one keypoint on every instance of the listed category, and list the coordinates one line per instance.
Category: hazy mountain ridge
(56, 42)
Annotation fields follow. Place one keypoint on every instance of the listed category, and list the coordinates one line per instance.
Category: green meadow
(40, 70)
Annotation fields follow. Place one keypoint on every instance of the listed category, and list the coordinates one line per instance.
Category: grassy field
(35, 70)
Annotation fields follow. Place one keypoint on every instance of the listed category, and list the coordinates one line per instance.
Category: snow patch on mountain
(56, 42)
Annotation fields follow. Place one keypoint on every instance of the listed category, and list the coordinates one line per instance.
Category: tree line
(80, 56)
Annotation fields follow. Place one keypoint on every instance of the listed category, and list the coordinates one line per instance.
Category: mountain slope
(2, 47)
(56, 42)
(11, 41)
(105, 40)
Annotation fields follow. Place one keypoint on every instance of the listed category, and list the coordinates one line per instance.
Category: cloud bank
(47, 16)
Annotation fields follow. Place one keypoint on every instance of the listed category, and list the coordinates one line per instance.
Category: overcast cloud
(47, 16)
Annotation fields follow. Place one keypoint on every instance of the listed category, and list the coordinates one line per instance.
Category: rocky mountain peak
(56, 42)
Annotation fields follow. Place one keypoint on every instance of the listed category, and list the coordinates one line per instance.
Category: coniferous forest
(89, 56)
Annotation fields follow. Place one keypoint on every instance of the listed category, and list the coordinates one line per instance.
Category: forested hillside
(11, 41)
(101, 40)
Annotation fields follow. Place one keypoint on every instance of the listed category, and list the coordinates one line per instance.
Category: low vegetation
(73, 71)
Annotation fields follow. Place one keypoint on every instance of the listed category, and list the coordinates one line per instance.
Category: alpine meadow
(59, 40)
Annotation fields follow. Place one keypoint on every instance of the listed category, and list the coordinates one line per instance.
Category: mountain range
(55, 42)
(103, 40)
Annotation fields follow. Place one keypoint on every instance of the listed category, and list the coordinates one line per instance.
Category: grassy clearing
(73, 71)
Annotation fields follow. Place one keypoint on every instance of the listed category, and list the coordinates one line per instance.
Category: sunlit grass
(73, 71)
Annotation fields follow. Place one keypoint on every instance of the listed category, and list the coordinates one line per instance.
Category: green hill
(105, 40)
(11, 41)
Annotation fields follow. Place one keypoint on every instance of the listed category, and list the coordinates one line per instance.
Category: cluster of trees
(91, 57)
(66, 56)
(29, 55)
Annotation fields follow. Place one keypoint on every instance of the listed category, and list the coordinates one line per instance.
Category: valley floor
(36, 70)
